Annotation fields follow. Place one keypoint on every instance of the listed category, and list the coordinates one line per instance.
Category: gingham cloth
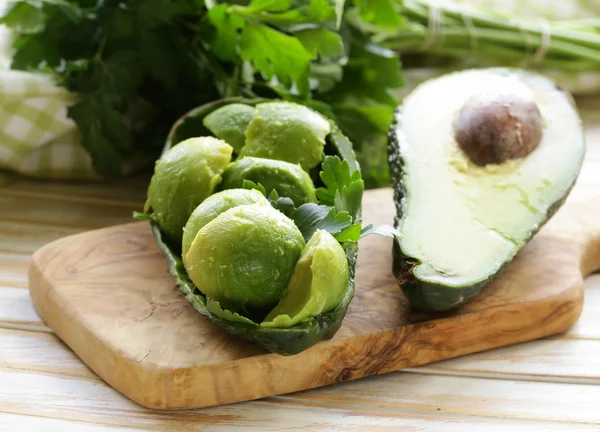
(36, 136)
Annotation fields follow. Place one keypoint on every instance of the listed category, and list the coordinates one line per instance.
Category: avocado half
(285, 341)
(479, 160)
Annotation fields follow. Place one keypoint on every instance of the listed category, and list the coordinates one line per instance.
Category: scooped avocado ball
(212, 207)
(245, 256)
(287, 131)
(317, 285)
(287, 179)
(229, 123)
(184, 177)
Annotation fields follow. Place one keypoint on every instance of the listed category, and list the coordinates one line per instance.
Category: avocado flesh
(245, 256)
(212, 207)
(317, 285)
(229, 123)
(183, 177)
(461, 223)
(287, 179)
(287, 131)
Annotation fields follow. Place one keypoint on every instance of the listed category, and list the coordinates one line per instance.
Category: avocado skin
(427, 296)
(284, 341)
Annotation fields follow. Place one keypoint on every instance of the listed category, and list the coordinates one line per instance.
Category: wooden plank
(93, 401)
(33, 195)
(14, 422)
(13, 270)
(550, 360)
(23, 238)
(35, 351)
(482, 397)
(48, 211)
(17, 311)
(130, 189)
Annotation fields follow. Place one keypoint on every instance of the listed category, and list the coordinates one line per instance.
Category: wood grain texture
(66, 213)
(547, 360)
(13, 270)
(25, 238)
(13, 422)
(16, 310)
(39, 352)
(574, 403)
(108, 295)
(93, 401)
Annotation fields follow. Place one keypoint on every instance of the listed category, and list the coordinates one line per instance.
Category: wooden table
(551, 384)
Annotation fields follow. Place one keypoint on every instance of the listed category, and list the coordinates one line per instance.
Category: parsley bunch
(138, 65)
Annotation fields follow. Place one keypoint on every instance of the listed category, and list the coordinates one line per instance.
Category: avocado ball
(287, 179)
(492, 128)
(183, 177)
(287, 131)
(245, 257)
(212, 207)
(317, 285)
(229, 123)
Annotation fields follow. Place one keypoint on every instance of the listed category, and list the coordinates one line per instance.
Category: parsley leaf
(350, 234)
(24, 17)
(349, 197)
(312, 217)
(269, 5)
(382, 230)
(383, 13)
(249, 184)
(105, 134)
(284, 204)
(225, 42)
(309, 12)
(344, 189)
(363, 103)
(321, 42)
(276, 54)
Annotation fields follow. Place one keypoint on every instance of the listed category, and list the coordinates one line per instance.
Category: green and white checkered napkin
(36, 136)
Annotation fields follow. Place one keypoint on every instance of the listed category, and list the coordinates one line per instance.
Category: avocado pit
(492, 128)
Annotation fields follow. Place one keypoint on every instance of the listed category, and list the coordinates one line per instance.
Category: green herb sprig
(141, 64)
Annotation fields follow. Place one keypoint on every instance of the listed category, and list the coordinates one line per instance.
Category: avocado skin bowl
(438, 296)
(284, 341)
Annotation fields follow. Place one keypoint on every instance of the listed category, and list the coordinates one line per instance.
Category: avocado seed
(493, 128)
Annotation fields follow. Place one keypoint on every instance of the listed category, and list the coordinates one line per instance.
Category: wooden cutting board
(108, 295)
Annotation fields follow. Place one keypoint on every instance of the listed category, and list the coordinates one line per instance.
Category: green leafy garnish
(249, 184)
(140, 65)
(312, 217)
(343, 188)
(382, 230)
(339, 203)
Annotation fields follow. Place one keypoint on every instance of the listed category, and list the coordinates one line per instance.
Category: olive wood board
(107, 294)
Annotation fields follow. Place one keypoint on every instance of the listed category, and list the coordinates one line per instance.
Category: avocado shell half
(428, 296)
(285, 341)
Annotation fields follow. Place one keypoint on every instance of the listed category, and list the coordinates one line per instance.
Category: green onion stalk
(462, 31)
